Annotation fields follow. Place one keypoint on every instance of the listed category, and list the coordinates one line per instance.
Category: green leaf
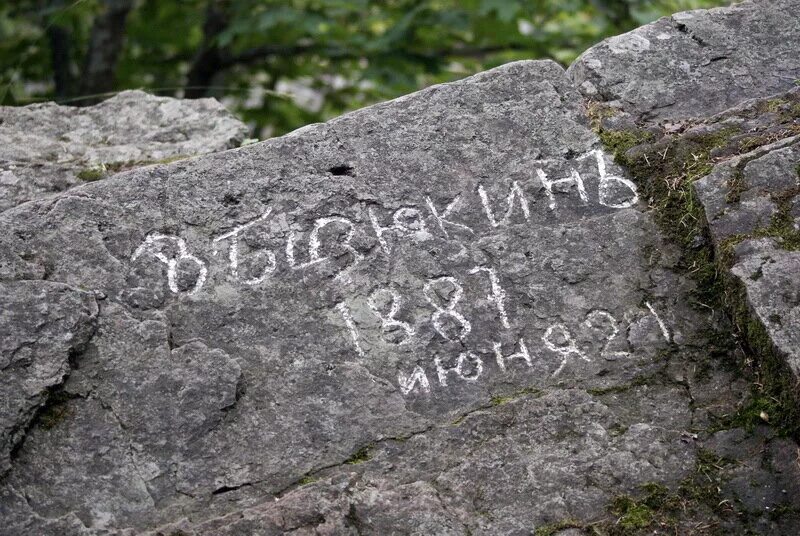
(506, 10)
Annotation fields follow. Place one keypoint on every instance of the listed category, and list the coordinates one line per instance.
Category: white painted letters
(521, 354)
(605, 188)
(233, 251)
(574, 178)
(498, 295)
(461, 368)
(596, 320)
(661, 324)
(441, 219)
(149, 245)
(569, 346)
(417, 377)
(449, 310)
(351, 326)
(388, 320)
(314, 244)
(406, 221)
(515, 193)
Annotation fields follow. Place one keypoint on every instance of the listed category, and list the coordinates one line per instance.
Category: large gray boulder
(752, 204)
(451, 313)
(44, 324)
(727, 77)
(695, 63)
(47, 148)
(445, 314)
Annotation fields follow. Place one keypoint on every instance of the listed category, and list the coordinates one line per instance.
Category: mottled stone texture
(751, 202)
(728, 76)
(696, 63)
(43, 324)
(446, 314)
(47, 148)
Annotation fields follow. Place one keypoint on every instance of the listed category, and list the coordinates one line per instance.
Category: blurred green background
(279, 65)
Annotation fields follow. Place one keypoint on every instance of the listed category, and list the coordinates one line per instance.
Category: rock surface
(43, 324)
(450, 313)
(752, 203)
(695, 63)
(47, 148)
(751, 189)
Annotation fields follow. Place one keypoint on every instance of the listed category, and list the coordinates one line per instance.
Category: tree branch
(209, 59)
(105, 46)
(61, 58)
(257, 54)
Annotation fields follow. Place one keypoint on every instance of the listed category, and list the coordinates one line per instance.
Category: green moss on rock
(618, 142)
(665, 172)
(116, 167)
(774, 395)
(92, 174)
(55, 410)
(555, 528)
(500, 400)
(782, 227)
(307, 480)
(360, 456)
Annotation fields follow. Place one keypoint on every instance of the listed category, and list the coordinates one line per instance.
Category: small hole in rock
(231, 199)
(342, 170)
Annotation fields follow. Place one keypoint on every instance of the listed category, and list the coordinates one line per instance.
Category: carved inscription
(155, 244)
(450, 312)
(410, 222)
(556, 347)
(233, 252)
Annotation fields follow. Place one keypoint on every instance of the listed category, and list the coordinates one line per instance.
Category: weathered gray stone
(748, 201)
(729, 73)
(446, 314)
(328, 305)
(741, 194)
(759, 475)
(771, 277)
(524, 464)
(696, 63)
(43, 324)
(47, 148)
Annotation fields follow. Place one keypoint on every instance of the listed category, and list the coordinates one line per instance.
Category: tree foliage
(283, 64)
